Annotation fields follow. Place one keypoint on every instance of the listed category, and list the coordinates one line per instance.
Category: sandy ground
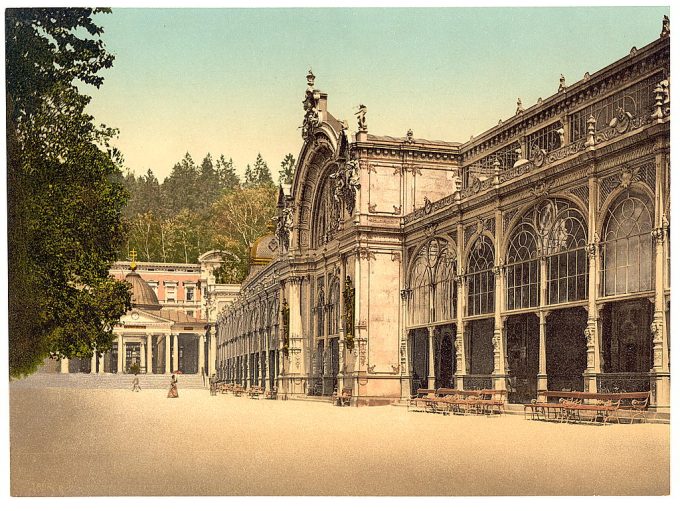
(73, 442)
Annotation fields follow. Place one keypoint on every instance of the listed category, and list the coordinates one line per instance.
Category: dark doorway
(335, 363)
(445, 356)
(522, 335)
(272, 366)
(566, 348)
(626, 336)
(188, 354)
(418, 340)
(480, 346)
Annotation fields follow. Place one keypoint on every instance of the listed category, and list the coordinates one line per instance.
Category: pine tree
(261, 172)
(227, 174)
(250, 178)
(287, 169)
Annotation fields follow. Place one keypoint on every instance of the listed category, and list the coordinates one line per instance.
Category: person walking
(173, 387)
(135, 385)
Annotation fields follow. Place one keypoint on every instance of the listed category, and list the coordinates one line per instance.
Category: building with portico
(533, 256)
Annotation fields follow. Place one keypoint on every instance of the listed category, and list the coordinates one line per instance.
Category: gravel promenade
(75, 442)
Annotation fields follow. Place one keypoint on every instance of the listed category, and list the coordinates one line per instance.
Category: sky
(232, 81)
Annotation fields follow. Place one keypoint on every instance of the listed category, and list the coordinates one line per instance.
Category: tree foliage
(197, 209)
(287, 169)
(65, 191)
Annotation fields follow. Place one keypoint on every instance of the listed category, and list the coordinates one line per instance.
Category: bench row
(443, 400)
(567, 406)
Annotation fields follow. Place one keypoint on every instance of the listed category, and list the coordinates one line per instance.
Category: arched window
(523, 267)
(445, 292)
(419, 301)
(333, 306)
(480, 278)
(320, 306)
(432, 282)
(326, 215)
(627, 248)
(563, 235)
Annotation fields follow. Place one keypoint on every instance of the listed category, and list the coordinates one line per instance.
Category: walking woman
(173, 387)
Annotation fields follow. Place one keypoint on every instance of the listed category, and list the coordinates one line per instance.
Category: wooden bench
(237, 390)
(593, 406)
(482, 402)
(423, 400)
(344, 398)
(271, 393)
(255, 392)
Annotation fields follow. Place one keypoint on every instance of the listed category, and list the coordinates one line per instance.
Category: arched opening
(566, 355)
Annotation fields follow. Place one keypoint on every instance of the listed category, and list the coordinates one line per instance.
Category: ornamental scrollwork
(310, 105)
(348, 313)
(283, 228)
(347, 184)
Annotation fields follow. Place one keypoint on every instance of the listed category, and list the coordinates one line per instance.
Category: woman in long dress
(173, 387)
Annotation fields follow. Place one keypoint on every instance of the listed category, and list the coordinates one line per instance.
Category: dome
(263, 249)
(143, 296)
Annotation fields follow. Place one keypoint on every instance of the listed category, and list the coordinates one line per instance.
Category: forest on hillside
(202, 207)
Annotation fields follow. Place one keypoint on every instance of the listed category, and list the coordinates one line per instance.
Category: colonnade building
(534, 256)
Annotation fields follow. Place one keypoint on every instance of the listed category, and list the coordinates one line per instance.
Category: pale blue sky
(232, 80)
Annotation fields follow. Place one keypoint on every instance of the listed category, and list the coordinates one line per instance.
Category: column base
(661, 390)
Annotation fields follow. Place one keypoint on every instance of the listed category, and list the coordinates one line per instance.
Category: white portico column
(121, 355)
(542, 382)
(211, 354)
(201, 355)
(430, 357)
(93, 362)
(142, 356)
(63, 365)
(100, 368)
(149, 354)
(167, 353)
(175, 353)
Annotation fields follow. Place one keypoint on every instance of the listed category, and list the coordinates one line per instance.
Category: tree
(261, 172)
(287, 169)
(227, 174)
(238, 219)
(65, 191)
(180, 188)
(208, 183)
(250, 178)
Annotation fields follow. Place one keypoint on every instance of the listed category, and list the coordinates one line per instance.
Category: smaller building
(169, 328)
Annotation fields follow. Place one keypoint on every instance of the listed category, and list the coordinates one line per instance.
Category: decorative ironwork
(477, 382)
(622, 382)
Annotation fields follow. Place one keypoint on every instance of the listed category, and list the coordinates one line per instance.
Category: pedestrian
(173, 387)
(135, 385)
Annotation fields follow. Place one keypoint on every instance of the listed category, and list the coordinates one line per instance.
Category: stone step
(108, 381)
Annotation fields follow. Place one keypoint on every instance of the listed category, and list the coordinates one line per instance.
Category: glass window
(627, 247)
(480, 278)
(522, 275)
(562, 232)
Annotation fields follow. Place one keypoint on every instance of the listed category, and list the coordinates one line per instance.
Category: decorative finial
(562, 85)
(520, 108)
(361, 118)
(133, 259)
(665, 27)
(310, 78)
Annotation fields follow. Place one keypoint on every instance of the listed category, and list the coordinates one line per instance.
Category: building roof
(262, 250)
(178, 316)
(143, 296)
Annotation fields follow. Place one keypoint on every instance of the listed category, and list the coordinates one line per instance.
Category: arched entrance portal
(566, 355)
(445, 356)
(522, 334)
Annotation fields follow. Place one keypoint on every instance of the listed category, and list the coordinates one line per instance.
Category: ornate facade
(534, 256)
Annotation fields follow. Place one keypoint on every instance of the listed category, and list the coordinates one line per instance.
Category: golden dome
(143, 296)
